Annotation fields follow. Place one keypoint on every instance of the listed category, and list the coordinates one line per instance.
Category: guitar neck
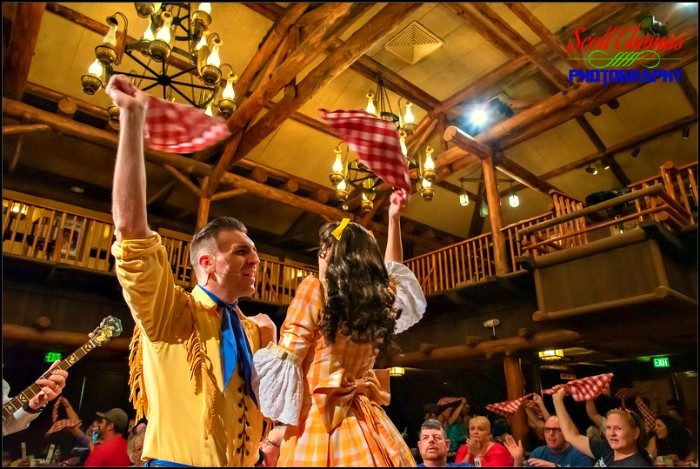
(23, 397)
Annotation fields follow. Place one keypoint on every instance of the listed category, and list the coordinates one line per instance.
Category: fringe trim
(137, 387)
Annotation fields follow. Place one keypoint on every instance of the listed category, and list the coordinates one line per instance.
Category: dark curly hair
(359, 302)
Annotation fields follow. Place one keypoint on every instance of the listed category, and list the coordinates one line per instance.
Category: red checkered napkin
(646, 413)
(506, 408)
(448, 400)
(586, 388)
(178, 128)
(376, 143)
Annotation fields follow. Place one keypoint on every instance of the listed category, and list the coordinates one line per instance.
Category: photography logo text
(624, 55)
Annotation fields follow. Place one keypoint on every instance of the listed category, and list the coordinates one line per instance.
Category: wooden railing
(72, 235)
(57, 232)
(468, 261)
(680, 183)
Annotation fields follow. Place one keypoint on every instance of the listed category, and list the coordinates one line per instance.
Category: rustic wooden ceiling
(293, 59)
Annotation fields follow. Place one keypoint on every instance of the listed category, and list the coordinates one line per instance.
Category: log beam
(691, 94)
(515, 388)
(277, 33)
(9, 130)
(542, 31)
(512, 345)
(377, 29)
(20, 48)
(108, 139)
(31, 335)
(494, 203)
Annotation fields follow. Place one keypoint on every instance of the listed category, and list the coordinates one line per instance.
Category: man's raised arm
(129, 185)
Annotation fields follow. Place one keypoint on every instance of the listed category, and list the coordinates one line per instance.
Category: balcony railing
(673, 202)
(53, 231)
(56, 232)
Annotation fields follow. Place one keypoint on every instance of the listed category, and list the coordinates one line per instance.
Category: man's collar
(202, 297)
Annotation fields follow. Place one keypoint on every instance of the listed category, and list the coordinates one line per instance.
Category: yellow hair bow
(338, 231)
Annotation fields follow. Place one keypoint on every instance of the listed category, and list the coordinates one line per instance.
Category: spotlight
(652, 26)
(479, 116)
(596, 111)
(613, 104)
(591, 170)
(606, 162)
(635, 152)
(685, 133)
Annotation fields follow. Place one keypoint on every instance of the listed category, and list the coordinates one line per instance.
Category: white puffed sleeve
(277, 381)
(409, 295)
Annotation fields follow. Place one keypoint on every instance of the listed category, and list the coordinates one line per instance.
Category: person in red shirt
(480, 449)
(110, 447)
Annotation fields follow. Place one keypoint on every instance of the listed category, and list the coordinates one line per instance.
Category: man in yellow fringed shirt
(197, 397)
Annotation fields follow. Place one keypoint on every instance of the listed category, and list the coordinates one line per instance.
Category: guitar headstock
(108, 328)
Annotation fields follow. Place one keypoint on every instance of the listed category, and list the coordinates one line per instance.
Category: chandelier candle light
(359, 176)
(169, 24)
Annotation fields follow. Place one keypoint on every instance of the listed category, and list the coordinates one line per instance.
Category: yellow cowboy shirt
(191, 419)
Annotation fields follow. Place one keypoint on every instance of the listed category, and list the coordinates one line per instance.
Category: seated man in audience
(555, 453)
(433, 445)
(110, 449)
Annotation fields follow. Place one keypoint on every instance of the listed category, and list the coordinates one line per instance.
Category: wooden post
(204, 204)
(20, 48)
(493, 201)
(515, 385)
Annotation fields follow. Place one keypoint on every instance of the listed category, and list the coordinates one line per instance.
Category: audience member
(270, 447)
(624, 436)
(555, 453)
(456, 426)
(110, 447)
(688, 419)
(134, 445)
(670, 439)
(433, 445)
(480, 449)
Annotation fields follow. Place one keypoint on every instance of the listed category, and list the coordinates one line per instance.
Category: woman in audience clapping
(480, 449)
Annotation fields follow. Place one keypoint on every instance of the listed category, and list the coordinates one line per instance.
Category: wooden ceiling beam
(619, 147)
(269, 10)
(381, 25)
(468, 14)
(30, 114)
(23, 129)
(488, 348)
(273, 39)
(600, 146)
(339, 15)
(542, 31)
(370, 69)
(17, 58)
(523, 46)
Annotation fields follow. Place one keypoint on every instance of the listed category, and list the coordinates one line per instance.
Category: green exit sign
(661, 362)
(51, 357)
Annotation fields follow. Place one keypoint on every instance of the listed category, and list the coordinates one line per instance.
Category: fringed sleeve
(409, 295)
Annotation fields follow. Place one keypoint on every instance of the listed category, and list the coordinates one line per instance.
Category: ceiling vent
(414, 43)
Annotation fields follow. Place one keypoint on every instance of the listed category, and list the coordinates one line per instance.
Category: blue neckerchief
(234, 344)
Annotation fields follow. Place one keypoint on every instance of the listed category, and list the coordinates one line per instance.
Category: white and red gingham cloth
(506, 408)
(448, 400)
(376, 143)
(173, 127)
(178, 128)
(582, 389)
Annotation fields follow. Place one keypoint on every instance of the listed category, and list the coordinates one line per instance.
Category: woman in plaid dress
(319, 379)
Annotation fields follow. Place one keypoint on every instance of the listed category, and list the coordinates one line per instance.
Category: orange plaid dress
(341, 422)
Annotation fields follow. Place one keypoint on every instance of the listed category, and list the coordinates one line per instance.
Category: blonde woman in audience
(480, 449)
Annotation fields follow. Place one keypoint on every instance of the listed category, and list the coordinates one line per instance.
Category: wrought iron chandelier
(175, 34)
(356, 174)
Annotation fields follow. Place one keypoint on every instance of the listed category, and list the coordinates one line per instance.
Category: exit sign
(51, 357)
(661, 362)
